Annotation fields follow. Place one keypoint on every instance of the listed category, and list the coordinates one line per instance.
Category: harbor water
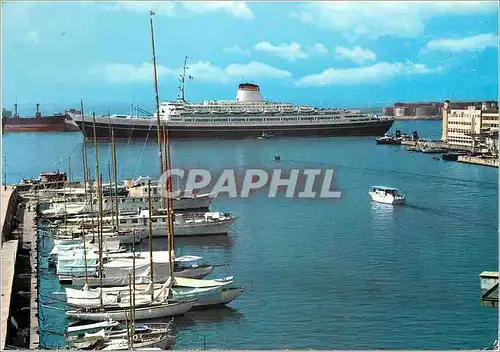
(321, 274)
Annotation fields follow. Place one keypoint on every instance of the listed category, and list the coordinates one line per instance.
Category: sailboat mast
(151, 274)
(158, 123)
(99, 186)
(170, 226)
(96, 161)
(100, 238)
(115, 171)
(111, 198)
(133, 288)
(84, 156)
(129, 330)
(85, 256)
(91, 198)
(69, 174)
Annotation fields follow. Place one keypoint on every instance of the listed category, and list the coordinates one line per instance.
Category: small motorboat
(436, 158)
(388, 140)
(433, 150)
(386, 195)
(265, 136)
(277, 158)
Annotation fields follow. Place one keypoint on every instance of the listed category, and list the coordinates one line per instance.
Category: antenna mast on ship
(182, 79)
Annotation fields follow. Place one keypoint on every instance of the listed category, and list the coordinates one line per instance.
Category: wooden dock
(489, 288)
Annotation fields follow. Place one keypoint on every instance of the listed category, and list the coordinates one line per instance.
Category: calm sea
(323, 274)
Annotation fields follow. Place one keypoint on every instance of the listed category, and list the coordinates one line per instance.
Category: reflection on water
(223, 241)
(382, 213)
(208, 316)
(160, 244)
(193, 318)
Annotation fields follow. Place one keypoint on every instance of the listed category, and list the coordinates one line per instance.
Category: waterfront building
(467, 124)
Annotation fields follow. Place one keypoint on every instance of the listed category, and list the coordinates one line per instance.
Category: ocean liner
(249, 116)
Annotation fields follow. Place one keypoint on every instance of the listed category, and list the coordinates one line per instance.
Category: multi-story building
(465, 122)
(418, 110)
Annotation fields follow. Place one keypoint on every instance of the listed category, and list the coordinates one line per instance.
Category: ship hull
(43, 124)
(148, 131)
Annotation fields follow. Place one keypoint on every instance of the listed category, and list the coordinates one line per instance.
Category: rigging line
(143, 147)
(396, 171)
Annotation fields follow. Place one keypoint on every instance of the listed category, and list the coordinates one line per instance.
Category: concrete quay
(477, 160)
(19, 324)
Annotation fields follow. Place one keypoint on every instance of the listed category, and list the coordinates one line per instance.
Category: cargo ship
(249, 116)
(60, 122)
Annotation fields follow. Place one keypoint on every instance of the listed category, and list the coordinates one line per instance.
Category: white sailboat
(194, 224)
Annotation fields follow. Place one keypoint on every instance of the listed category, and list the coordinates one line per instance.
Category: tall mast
(99, 222)
(100, 238)
(150, 223)
(165, 135)
(96, 162)
(115, 171)
(86, 286)
(158, 123)
(87, 172)
(111, 197)
(84, 160)
(169, 207)
(182, 79)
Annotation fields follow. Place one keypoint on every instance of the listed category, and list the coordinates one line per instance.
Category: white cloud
(160, 8)
(32, 37)
(235, 49)
(379, 72)
(236, 8)
(473, 43)
(378, 18)
(257, 69)
(356, 54)
(116, 72)
(202, 71)
(319, 48)
(290, 52)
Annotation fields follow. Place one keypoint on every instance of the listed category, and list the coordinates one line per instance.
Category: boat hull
(141, 313)
(193, 273)
(147, 130)
(389, 141)
(228, 295)
(386, 200)
(189, 229)
(56, 123)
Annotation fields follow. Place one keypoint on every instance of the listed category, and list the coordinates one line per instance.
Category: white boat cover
(197, 283)
(102, 324)
(96, 336)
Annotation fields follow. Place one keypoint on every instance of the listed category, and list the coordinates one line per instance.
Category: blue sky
(346, 54)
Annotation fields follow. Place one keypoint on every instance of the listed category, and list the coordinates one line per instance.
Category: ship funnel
(248, 92)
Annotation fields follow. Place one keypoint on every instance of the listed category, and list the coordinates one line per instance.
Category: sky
(328, 54)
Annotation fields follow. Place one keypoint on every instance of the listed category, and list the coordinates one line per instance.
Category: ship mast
(182, 80)
(168, 201)
(158, 123)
